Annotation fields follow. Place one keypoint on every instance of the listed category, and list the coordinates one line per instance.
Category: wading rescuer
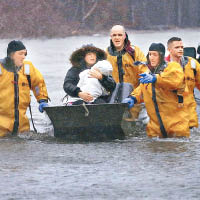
(162, 92)
(17, 78)
(191, 70)
(122, 55)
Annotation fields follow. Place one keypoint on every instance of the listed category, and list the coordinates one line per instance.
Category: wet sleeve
(137, 93)
(38, 85)
(71, 81)
(143, 69)
(197, 76)
(139, 55)
(172, 77)
(108, 83)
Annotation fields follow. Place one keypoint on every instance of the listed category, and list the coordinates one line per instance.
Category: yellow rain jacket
(131, 72)
(192, 79)
(15, 96)
(174, 115)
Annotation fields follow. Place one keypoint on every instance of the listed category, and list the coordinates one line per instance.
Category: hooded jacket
(79, 65)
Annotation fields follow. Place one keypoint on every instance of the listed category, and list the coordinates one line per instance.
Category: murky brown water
(41, 167)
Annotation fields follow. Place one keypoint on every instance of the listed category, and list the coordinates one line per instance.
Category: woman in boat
(82, 59)
(162, 92)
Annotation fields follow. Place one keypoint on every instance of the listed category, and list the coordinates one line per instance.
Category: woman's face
(154, 58)
(90, 58)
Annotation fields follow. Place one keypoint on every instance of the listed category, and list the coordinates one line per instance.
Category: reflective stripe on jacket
(15, 97)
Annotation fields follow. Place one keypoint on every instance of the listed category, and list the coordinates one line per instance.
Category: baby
(92, 85)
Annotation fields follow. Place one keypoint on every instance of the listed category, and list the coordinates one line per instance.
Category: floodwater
(37, 166)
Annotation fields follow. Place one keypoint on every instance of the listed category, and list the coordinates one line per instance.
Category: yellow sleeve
(38, 85)
(139, 55)
(197, 77)
(137, 93)
(143, 69)
(172, 77)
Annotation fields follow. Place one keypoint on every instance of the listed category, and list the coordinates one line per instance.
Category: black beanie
(15, 46)
(157, 47)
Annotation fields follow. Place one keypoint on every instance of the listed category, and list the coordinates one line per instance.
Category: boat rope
(86, 110)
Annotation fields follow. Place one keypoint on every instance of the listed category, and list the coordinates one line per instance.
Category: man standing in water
(122, 55)
(191, 70)
(17, 78)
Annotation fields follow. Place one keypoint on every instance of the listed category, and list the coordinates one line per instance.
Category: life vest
(13, 117)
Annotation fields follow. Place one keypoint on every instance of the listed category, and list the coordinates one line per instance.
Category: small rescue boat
(88, 122)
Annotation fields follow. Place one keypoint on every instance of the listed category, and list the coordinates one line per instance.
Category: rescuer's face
(154, 58)
(118, 36)
(18, 57)
(176, 49)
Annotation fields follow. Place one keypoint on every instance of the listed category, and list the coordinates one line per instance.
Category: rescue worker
(17, 78)
(191, 70)
(122, 55)
(161, 90)
(82, 59)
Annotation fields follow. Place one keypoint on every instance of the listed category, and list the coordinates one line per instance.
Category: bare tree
(36, 18)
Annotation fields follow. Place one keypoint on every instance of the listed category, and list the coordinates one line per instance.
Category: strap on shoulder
(184, 61)
(193, 66)
(27, 69)
(27, 73)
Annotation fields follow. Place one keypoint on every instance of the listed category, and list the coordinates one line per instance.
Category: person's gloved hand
(130, 101)
(147, 78)
(42, 103)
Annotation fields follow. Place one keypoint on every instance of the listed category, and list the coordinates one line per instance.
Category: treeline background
(61, 18)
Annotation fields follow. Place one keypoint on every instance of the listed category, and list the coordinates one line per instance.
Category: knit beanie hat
(15, 46)
(157, 47)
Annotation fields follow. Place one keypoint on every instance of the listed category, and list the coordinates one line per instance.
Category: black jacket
(72, 79)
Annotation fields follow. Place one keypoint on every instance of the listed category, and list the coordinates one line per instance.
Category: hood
(8, 64)
(77, 57)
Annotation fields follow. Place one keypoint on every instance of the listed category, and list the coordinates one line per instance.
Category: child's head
(104, 67)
